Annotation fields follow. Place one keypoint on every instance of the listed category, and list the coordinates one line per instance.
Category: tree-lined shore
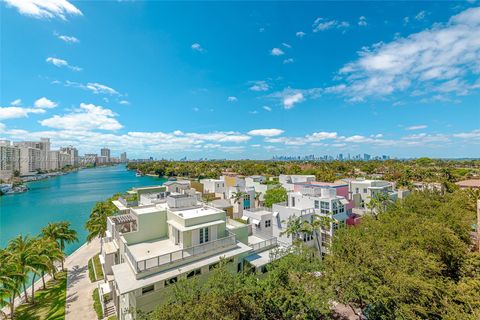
(401, 172)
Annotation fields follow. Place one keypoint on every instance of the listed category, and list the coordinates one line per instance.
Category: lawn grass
(91, 272)
(95, 263)
(49, 303)
(96, 304)
(98, 267)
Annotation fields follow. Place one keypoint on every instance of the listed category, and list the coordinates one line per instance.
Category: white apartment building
(105, 152)
(43, 145)
(9, 160)
(288, 180)
(150, 247)
(31, 160)
(73, 153)
(54, 160)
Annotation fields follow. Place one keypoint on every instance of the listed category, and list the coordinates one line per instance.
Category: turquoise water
(69, 197)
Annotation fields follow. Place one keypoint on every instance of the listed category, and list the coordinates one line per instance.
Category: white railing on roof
(182, 254)
(266, 244)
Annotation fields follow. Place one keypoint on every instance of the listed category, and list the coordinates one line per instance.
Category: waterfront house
(152, 246)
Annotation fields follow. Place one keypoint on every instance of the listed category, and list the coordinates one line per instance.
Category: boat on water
(138, 174)
(14, 189)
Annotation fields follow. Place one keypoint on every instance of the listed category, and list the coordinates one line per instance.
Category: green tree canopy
(275, 195)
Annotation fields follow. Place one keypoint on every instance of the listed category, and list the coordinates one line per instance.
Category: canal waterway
(64, 198)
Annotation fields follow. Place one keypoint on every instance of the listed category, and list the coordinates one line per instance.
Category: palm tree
(238, 196)
(50, 253)
(23, 254)
(11, 280)
(294, 227)
(97, 223)
(61, 233)
(38, 261)
(379, 203)
(316, 225)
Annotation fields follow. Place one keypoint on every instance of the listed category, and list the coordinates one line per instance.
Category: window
(356, 190)
(239, 267)
(268, 223)
(337, 207)
(293, 201)
(317, 204)
(203, 235)
(364, 190)
(324, 207)
(212, 266)
(170, 281)
(193, 273)
(147, 289)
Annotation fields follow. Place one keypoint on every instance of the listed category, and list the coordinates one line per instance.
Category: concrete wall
(150, 226)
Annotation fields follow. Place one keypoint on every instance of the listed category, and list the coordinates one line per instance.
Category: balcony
(264, 245)
(128, 200)
(146, 264)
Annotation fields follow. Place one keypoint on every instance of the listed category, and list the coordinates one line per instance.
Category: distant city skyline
(243, 80)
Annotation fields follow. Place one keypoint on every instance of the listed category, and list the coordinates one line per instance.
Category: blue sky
(243, 80)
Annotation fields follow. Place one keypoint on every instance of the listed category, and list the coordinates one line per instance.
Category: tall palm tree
(317, 224)
(294, 227)
(23, 254)
(61, 233)
(11, 280)
(38, 261)
(97, 223)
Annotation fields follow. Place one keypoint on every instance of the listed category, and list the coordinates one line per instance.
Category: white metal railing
(146, 264)
(266, 244)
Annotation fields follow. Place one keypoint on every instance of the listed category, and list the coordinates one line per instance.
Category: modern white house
(215, 186)
(309, 201)
(260, 184)
(289, 180)
(151, 246)
(362, 190)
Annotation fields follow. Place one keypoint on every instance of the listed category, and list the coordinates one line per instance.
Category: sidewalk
(79, 304)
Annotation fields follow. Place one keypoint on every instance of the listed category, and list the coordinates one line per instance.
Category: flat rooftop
(200, 211)
(148, 209)
(152, 248)
(127, 282)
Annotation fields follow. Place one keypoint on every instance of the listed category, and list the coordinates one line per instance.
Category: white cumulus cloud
(45, 103)
(87, 117)
(266, 132)
(290, 100)
(45, 9)
(436, 59)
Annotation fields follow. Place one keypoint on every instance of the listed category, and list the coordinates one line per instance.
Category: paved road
(79, 288)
